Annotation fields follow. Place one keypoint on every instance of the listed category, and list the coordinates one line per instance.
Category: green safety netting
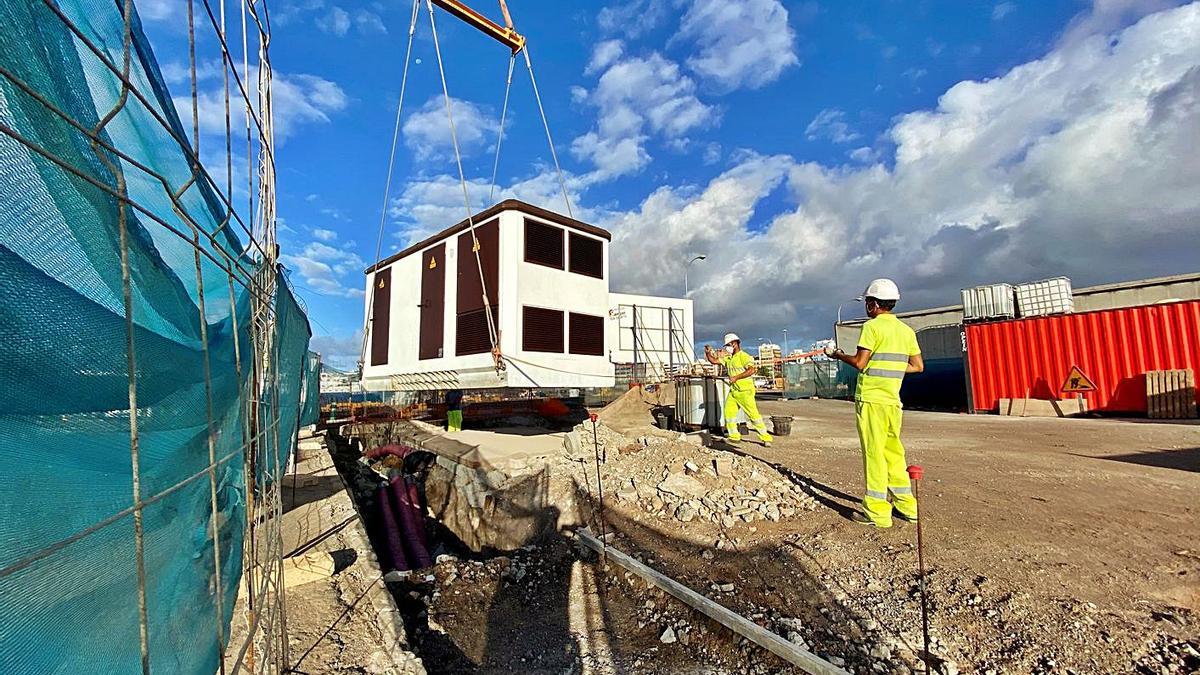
(820, 379)
(71, 606)
(311, 409)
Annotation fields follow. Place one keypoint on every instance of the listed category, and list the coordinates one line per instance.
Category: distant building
(649, 337)
(337, 382)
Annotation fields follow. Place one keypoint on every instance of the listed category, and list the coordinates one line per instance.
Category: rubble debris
(674, 479)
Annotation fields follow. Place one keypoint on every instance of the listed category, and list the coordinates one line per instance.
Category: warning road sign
(1077, 382)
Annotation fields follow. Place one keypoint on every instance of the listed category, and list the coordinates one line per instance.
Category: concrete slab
(339, 611)
(499, 448)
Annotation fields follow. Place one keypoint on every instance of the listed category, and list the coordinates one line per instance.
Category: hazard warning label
(1077, 382)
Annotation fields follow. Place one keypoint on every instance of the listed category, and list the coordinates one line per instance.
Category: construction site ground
(1052, 546)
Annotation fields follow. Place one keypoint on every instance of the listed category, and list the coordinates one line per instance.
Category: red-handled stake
(914, 473)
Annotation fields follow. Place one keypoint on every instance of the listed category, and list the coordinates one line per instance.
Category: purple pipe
(395, 449)
(414, 499)
(410, 524)
(391, 530)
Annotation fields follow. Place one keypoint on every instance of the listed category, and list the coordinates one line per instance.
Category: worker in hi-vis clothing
(887, 350)
(740, 368)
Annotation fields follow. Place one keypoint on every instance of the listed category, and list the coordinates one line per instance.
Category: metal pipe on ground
(739, 624)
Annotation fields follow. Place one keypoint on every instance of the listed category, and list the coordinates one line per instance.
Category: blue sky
(805, 147)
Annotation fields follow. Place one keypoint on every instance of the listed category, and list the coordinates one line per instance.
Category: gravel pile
(670, 476)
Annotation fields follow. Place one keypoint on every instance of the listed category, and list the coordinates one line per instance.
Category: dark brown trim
(381, 317)
(479, 218)
(432, 323)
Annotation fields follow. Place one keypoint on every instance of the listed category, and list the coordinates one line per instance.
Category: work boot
(863, 519)
(904, 516)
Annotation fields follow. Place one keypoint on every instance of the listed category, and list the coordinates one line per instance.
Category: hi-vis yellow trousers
(883, 462)
(745, 401)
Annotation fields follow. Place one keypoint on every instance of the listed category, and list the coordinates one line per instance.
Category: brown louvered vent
(587, 256)
(471, 334)
(542, 330)
(587, 335)
(543, 244)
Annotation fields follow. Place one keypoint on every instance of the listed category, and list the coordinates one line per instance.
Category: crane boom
(505, 35)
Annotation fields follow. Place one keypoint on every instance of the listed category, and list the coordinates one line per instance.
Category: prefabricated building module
(546, 279)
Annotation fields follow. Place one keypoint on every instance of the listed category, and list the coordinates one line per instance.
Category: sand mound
(634, 409)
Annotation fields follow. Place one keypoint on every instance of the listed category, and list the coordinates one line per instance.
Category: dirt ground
(1052, 546)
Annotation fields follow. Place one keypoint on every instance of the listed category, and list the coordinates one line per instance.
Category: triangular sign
(432, 262)
(1077, 382)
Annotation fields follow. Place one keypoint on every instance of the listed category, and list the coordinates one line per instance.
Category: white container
(994, 301)
(1046, 297)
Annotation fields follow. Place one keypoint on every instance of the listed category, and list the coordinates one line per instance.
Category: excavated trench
(509, 589)
(511, 567)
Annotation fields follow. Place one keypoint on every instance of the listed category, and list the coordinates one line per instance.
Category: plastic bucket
(782, 425)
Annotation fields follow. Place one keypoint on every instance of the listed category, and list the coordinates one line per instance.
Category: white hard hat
(732, 337)
(882, 289)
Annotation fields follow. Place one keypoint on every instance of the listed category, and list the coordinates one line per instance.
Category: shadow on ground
(1183, 459)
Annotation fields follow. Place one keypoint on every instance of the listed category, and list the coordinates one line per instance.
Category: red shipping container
(1115, 348)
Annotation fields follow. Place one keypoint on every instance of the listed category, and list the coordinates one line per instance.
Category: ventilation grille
(543, 244)
(587, 335)
(542, 330)
(471, 336)
(587, 256)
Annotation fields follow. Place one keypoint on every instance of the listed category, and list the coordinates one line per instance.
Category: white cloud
(865, 154)
(369, 23)
(298, 100)
(738, 45)
(430, 204)
(633, 18)
(323, 269)
(637, 97)
(324, 235)
(712, 153)
(339, 351)
(158, 10)
(831, 124)
(1002, 10)
(427, 131)
(1081, 163)
(335, 22)
(1105, 16)
(603, 56)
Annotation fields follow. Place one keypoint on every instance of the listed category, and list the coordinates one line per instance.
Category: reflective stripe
(898, 358)
(880, 372)
(877, 495)
(901, 490)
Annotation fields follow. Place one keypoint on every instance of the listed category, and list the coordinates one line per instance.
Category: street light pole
(785, 344)
(685, 272)
(839, 318)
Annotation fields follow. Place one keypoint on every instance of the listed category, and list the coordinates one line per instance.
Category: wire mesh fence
(152, 365)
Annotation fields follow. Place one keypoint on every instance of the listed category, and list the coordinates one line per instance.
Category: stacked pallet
(1170, 394)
